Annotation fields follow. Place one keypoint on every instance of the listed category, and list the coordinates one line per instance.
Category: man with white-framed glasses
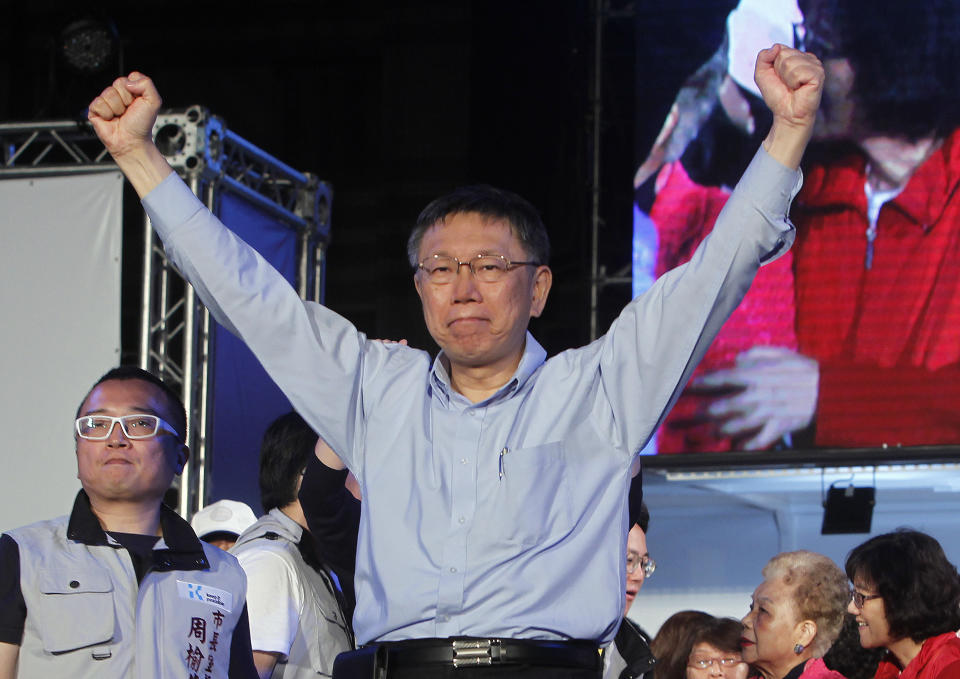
(493, 478)
(122, 585)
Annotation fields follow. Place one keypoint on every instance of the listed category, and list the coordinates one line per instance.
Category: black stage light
(848, 510)
(88, 45)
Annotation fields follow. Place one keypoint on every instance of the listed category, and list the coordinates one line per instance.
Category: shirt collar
(177, 535)
(923, 199)
(293, 529)
(532, 358)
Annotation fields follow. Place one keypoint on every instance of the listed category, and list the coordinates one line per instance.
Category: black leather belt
(462, 652)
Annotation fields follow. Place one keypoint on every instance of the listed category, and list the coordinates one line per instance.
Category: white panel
(711, 535)
(60, 290)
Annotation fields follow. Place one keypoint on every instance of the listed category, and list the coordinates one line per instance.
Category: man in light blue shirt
(494, 481)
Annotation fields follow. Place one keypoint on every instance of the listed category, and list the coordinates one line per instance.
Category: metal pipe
(235, 186)
(320, 282)
(50, 170)
(45, 125)
(146, 294)
(189, 335)
(265, 157)
(303, 262)
(205, 397)
(66, 147)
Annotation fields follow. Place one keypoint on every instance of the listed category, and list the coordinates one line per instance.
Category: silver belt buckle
(474, 652)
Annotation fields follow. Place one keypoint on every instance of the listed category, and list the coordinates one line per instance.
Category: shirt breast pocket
(531, 504)
(74, 609)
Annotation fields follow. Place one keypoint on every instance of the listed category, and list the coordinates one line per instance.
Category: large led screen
(851, 340)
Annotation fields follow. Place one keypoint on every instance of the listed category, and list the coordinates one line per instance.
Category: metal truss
(175, 328)
(50, 148)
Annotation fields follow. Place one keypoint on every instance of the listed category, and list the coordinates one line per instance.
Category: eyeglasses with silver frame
(134, 426)
(704, 663)
(635, 561)
(486, 267)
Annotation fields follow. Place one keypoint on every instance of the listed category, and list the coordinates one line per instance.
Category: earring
(798, 649)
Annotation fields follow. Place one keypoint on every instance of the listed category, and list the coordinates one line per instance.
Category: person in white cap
(220, 523)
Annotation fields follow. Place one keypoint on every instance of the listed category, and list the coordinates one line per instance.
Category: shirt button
(462, 519)
(453, 569)
(463, 460)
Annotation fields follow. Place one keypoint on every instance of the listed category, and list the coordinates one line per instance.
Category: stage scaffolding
(175, 328)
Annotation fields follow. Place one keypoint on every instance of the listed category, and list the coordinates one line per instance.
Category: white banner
(60, 329)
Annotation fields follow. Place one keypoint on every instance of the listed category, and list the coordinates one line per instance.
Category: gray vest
(87, 617)
(323, 633)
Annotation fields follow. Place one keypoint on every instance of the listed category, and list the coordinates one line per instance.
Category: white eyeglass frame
(114, 421)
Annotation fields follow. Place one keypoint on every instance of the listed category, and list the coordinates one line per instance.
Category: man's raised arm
(226, 272)
(791, 82)
(123, 117)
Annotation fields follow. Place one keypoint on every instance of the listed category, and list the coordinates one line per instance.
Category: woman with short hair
(715, 652)
(795, 615)
(671, 647)
(906, 598)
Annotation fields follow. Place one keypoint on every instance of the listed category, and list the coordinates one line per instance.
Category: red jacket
(939, 658)
(888, 338)
(684, 213)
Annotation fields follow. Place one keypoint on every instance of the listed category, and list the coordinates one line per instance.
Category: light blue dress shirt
(505, 518)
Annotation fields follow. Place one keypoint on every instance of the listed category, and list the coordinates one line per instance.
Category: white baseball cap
(223, 516)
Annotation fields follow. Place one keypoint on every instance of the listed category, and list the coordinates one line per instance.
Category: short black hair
(287, 445)
(639, 514)
(905, 58)
(491, 203)
(177, 414)
(919, 586)
(643, 518)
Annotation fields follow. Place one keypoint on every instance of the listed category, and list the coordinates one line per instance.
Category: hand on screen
(775, 394)
(124, 113)
(658, 154)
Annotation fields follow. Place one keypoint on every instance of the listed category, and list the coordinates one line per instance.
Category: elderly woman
(795, 615)
(906, 597)
(715, 653)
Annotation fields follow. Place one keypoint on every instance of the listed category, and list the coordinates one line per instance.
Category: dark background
(395, 103)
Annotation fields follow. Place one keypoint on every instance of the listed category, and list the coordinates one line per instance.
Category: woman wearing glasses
(795, 615)
(906, 598)
(715, 653)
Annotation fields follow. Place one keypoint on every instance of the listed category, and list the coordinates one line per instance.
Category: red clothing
(684, 213)
(888, 338)
(939, 658)
(817, 669)
(814, 668)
